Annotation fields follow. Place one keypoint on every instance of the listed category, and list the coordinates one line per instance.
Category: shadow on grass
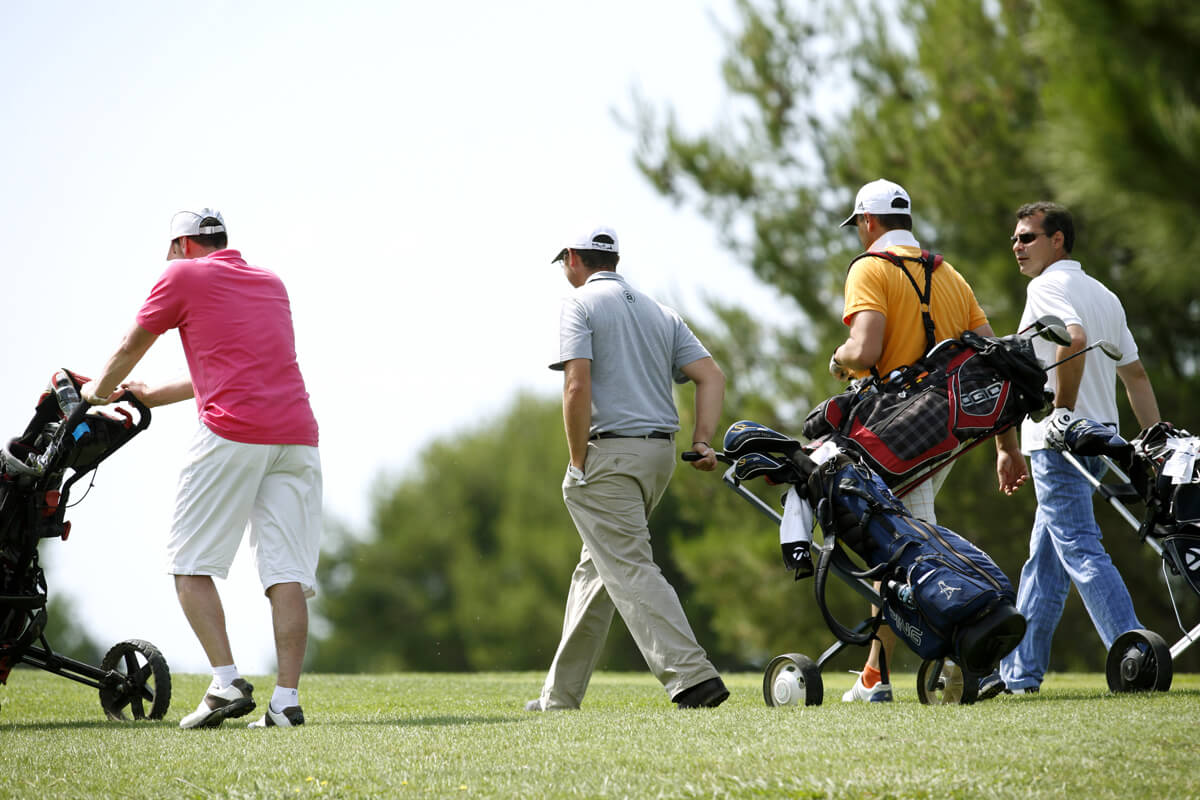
(94, 724)
(422, 722)
(1083, 695)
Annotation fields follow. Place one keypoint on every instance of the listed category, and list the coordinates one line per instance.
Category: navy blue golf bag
(941, 594)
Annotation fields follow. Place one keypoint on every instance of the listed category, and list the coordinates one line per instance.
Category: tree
(974, 107)
(1121, 141)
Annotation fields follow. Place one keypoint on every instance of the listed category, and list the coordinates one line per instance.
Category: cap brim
(561, 255)
(850, 220)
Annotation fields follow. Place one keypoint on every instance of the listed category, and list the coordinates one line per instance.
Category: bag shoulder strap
(929, 262)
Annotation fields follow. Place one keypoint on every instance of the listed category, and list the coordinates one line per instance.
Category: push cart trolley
(66, 436)
(1159, 469)
(901, 429)
(795, 678)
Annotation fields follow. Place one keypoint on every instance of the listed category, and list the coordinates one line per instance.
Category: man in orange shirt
(896, 311)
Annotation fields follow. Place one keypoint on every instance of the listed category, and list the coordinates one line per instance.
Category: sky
(408, 169)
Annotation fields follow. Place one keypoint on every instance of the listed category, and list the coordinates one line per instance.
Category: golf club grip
(77, 415)
(692, 455)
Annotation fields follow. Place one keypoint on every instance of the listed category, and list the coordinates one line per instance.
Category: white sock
(223, 676)
(283, 698)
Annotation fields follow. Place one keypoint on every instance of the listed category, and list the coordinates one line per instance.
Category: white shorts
(919, 501)
(225, 486)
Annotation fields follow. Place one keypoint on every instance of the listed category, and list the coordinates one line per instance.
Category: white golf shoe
(879, 693)
(218, 705)
(290, 717)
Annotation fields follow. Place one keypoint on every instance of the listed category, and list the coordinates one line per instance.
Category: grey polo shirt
(637, 346)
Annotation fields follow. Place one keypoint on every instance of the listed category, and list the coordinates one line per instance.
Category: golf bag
(65, 436)
(941, 594)
(909, 423)
(1159, 469)
(1163, 468)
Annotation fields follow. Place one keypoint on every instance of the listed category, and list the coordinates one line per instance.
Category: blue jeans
(1064, 548)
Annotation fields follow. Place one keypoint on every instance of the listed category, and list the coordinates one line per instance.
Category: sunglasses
(1026, 238)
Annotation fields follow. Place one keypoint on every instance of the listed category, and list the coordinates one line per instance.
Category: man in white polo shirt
(620, 350)
(1065, 546)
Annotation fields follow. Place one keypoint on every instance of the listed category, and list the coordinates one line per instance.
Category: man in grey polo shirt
(620, 351)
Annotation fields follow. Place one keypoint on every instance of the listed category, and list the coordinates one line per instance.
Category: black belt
(651, 435)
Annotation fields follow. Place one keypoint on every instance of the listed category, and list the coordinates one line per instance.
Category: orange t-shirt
(876, 284)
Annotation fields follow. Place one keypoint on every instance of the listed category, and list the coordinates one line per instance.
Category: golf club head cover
(1056, 428)
(1087, 437)
(747, 436)
(760, 465)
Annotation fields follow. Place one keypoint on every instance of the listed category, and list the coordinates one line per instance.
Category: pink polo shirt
(235, 323)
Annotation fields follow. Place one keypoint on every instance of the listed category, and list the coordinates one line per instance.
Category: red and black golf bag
(907, 424)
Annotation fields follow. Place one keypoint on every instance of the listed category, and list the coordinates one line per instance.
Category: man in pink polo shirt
(253, 461)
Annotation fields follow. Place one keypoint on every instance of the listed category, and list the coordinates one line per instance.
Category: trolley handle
(80, 411)
(692, 455)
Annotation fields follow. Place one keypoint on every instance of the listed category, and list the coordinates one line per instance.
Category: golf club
(1050, 328)
(1108, 348)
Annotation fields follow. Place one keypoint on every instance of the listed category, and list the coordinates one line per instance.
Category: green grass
(422, 735)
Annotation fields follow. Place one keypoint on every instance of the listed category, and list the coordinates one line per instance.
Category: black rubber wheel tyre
(793, 679)
(139, 682)
(942, 682)
(1139, 661)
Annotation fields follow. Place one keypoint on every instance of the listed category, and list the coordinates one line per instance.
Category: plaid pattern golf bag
(910, 422)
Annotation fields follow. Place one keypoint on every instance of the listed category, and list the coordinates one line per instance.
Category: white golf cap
(190, 223)
(596, 239)
(880, 197)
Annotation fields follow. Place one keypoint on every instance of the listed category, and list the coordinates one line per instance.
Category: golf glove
(574, 477)
(1056, 428)
(838, 370)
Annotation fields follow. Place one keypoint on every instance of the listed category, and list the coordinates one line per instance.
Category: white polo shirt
(1065, 290)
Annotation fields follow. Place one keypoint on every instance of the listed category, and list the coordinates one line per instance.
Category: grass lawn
(422, 735)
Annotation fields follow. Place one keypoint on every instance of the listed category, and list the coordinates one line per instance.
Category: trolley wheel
(1138, 661)
(942, 682)
(793, 679)
(138, 679)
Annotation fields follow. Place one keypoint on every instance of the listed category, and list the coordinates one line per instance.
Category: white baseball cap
(880, 197)
(189, 223)
(588, 241)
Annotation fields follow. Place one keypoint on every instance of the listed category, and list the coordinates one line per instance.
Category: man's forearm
(710, 397)
(1142, 400)
(135, 344)
(577, 409)
(577, 422)
(1069, 375)
(168, 393)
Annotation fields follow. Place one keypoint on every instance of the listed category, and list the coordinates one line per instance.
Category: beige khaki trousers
(625, 479)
